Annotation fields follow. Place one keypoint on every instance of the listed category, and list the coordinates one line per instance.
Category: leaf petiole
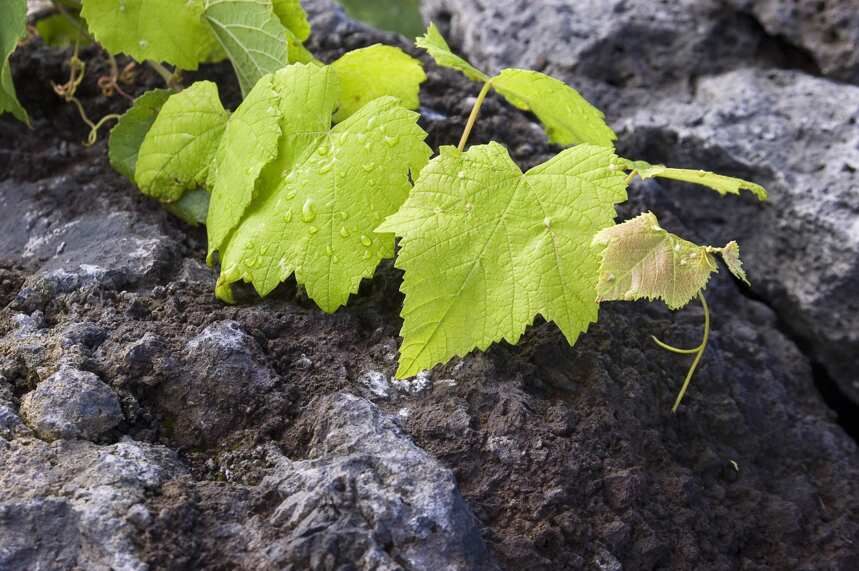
(475, 111)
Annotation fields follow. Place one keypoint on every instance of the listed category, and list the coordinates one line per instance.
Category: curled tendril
(697, 351)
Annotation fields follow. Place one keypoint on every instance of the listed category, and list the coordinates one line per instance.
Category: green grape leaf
(640, 260)
(128, 133)
(434, 43)
(296, 52)
(720, 183)
(179, 146)
(13, 25)
(58, 31)
(251, 34)
(293, 17)
(161, 30)
(192, 208)
(318, 203)
(249, 143)
(372, 72)
(567, 116)
(485, 248)
(731, 256)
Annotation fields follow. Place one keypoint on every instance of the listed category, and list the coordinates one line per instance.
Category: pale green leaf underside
(434, 43)
(641, 260)
(249, 142)
(486, 248)
(251, 34)
(128, 133)
(720, 183)
(567, 116)
(12, 26)
(161, 30)
(192, 208)
(731, 256)
(374, 71)
(318, 203)
(178, 148)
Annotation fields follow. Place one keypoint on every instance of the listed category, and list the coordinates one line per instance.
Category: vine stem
(170, 78)
(475, 111)
(698, 351)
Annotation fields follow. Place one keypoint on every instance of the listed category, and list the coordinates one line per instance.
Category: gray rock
(223, 377)
(829, 31)
(798, 136)
(65, 505)
(374, 385)
(71, 404)
(369, 498)
(11, 424)
(599, 46)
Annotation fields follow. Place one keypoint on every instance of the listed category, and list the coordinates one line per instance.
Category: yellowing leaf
(720, 183)
(128, 133)
(178, 148)
(315, 205)
(161, 30)
(434, 43)
(251, 34)
(486, 248)
(567, 116)
(642, 260)
(372, 72)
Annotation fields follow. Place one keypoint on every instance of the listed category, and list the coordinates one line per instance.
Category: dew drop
(702, 174)
(609, 277)
(308, 211)
(326, 168)
(322, 150)
(290, 195)
(391, 141)
(335, 259)
(143, 44)
(368, 167)
(366, 255)
(313, 230)
(360, 137)
(682, 262)
(342, 215)
(371, 122)
(676, 247)
(328, 251)
(366, 241)
(460, 175)
(264, 250)
(344, 232)
(270, 109)
(612, 167)
(547, 222)
(287, 216)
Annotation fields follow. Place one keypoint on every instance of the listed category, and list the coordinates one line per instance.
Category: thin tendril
(475, 111)
(697, 351)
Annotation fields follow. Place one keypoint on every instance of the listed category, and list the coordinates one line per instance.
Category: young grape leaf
(434, 43)
(317, 204)
(720, 183)
(642, 260)
(486, 248)
(731, 256)
(251, 34)
(179, 146)
(567, 116)
(13, 25)
(372, 72)
(128, 133)
(249, 143)
(161, 30)
(293, 17)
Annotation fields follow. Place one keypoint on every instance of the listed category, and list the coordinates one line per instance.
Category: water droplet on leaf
(308, 211)
(366, 241)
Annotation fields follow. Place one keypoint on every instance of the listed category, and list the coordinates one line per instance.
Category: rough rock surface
(828, 30)
(243, 446)
(71, 404)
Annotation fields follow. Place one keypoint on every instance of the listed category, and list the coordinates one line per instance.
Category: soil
(569, 457)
